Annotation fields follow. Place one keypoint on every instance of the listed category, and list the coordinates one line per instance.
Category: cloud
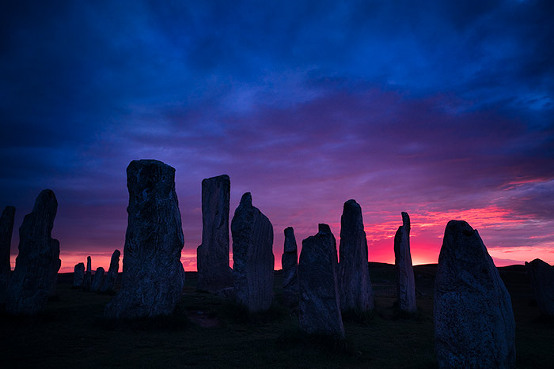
(429, 108)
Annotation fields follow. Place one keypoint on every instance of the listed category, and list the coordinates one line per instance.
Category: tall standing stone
(87, 283)
(542, 280)
(6, 230)
(97, 279)
(111, 277)
(252, 256)
(78, 275)
(38, 261)
(404, 270)
(474, 322)
(289, 261)
(214, 273)
(55, 264)
(356, 292)
(153, 275)
(317, 276)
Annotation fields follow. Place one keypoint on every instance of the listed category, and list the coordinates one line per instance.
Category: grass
(206, 331)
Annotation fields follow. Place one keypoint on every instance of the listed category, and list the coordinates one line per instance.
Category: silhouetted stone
(474, 322)
(252, 256)
(542, 280)
(404, 270)
(6, 230)
(214, 272)
(97, 279)
(355, 286)
(317, 276)
(55, 264)
(78, 275)
(153, 275)
(289, 261)
(111, 277)
(87, 283)
(38, 261)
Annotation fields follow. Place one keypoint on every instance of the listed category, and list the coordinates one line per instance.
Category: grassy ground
(208, 332)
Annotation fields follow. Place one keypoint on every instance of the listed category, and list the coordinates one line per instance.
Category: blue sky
(431, 107)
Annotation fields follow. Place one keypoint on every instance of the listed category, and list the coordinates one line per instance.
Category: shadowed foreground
(206, 331)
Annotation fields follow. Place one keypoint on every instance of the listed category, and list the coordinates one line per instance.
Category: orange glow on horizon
(427, 229)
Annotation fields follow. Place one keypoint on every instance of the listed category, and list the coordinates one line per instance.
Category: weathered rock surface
(356, 292)
(6, 230)
(153, 275)
(542, 280)
(317, 276)
(55, 264)
(289, 261)
(87, 283)
(214, 273)
(404, 270)
(78, 275)
(111, 277)
(97, 279)
(38, 262)
(474, 322)
(252, 256)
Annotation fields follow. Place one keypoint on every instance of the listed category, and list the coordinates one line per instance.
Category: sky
(443, 109)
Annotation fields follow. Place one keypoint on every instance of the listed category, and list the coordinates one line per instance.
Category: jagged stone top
(46, 207)
(290, 240)
(406, 220)
(352, 204)
(246, 200)
(463, 248)
(152, 171)
(324, 228)
(9, 211)
(222, 178)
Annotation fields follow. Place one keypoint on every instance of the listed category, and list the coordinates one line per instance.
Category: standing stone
(97, 280)
(289, 261)
(6, 230)
(55, 264)
(317, 275)
(542, 280)
(153, 275)
(78, 275)
(356, 292)
(252, 256)
(214, 273)
(474, 322)
(88, 275)
(404, 270)
(111, 277)
(38, 261)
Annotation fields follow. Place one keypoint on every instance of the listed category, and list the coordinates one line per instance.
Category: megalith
(78, 275)
(214, 273)
(474, 322)
(6, 230)
(356, 293)
(111, 277)
(289, 262)
(319, 308)
(253, 260)
(541, 275)
(87, 283)
(97, 279)
(153, 275)
(37, 263)
(405, 282)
